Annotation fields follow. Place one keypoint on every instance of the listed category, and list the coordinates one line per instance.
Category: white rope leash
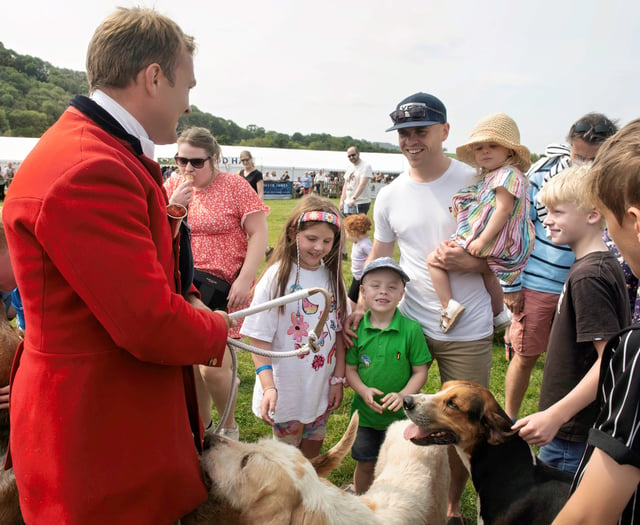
(311, 345)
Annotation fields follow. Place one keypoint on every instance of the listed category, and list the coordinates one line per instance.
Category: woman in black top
(251, 174)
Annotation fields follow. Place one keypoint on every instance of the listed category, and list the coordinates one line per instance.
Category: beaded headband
(320, 216)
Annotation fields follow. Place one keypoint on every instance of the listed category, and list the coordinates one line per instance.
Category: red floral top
(216, 217)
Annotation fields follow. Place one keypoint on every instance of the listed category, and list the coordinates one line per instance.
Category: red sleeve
(106, 231)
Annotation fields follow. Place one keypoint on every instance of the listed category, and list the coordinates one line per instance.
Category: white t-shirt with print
(302, 383)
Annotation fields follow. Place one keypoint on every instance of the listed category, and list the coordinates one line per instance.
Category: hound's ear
(303, 516)
(498, 426)
(272, 514)
(273, 507)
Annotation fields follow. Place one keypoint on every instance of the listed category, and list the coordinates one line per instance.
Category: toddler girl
(296, 394)
(357, 228)
(492, 214)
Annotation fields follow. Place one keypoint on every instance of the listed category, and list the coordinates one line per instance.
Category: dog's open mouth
(420, 436)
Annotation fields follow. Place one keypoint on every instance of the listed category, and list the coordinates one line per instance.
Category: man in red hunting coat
(103, 413)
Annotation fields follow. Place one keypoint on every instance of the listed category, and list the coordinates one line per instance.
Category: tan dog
(513, 486)
(411, 483)
(9, 503)
(272, 483)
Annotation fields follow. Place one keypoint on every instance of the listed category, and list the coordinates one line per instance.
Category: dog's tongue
(413, 431)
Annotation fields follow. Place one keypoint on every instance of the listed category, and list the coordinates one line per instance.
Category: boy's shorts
(530, 328)
(367, 445)
(293, 432)
(562, 454)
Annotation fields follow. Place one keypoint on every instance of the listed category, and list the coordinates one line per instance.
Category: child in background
(387, 361)
(357, 228)
(492, 215)
(296, 394)
(593, 307)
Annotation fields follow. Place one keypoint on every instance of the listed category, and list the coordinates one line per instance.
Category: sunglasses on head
(587, 129)
(413, 111)
(196, 163)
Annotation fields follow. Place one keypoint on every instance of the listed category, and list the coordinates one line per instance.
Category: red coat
(99, 423)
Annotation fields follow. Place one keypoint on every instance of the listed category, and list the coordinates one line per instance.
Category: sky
(341, 66)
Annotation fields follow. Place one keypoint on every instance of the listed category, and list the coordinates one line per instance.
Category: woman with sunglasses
(228, 224)
(251, 174)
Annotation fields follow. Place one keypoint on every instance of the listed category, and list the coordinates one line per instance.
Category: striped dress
(474, 205)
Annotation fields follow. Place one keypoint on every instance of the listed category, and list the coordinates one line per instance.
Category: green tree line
(34, 93)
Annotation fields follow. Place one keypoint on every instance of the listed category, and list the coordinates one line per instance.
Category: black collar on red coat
(103, 119)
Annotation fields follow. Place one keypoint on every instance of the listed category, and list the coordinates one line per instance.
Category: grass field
(252, 428)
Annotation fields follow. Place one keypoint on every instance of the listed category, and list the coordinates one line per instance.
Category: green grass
(253, 428)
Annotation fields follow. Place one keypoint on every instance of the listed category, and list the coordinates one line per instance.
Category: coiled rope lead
(312, 339)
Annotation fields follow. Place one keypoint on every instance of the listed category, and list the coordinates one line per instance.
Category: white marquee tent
(296, 162)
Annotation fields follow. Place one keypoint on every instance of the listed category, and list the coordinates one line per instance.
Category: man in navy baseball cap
(414, 212)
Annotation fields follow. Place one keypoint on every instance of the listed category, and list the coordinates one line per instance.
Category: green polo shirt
(384, 359)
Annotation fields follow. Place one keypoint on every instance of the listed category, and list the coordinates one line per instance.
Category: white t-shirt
(302, 383)
(352, 178)
(418, 216)
(359, 252)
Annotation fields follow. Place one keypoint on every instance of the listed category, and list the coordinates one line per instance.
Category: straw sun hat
(499, 129)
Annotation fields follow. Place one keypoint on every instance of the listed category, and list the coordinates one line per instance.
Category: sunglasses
(586, 129)
(245, 160)
(196, 163)
(352, 155)
(414, 111)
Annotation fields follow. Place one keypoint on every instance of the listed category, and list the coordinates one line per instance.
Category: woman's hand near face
(183, 194)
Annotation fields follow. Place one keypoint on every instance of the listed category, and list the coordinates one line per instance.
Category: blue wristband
(263, 367)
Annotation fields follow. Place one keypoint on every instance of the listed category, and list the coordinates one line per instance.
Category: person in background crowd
(319, 182)
(357, 229)
(356, 197)
(251, 174)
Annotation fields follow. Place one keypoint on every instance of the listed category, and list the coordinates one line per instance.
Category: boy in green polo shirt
(387, 361)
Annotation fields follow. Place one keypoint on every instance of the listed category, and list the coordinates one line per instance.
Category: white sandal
(450, 315)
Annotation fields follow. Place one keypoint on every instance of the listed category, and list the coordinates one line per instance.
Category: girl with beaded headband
(296, 395)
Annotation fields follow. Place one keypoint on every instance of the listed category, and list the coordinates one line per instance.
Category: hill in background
(34, 93)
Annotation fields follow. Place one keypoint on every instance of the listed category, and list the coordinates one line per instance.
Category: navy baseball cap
(385, 262)
(418, 110)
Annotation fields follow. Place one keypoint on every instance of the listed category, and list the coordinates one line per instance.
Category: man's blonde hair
(128, 41)
(572, 185)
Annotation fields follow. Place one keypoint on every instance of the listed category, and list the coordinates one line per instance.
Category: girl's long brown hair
(285, 251)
